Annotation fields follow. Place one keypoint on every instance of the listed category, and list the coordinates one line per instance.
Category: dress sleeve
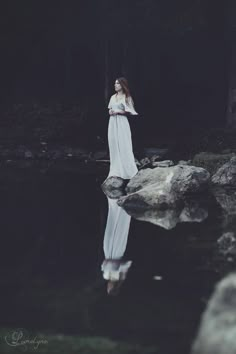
(110, 103)
(129, 106)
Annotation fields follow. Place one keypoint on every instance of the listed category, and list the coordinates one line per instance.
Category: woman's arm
(120, 112)
(112, 113)
(129, 106)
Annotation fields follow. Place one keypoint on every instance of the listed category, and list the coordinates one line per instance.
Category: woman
(122, 163)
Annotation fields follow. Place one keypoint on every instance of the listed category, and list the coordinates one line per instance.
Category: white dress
(122, 163)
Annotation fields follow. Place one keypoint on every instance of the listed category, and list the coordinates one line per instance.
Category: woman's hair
(125, 87)
(113, 287)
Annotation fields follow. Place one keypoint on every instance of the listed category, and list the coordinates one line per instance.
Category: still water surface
(52, 224)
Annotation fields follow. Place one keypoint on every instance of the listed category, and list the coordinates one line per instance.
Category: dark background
(59, 60)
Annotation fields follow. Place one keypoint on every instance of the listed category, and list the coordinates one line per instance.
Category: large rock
(217, 333)
(189, 179)
(226, 175)
(113, 187)
(153, 195)
(163, 188)
(148, 177)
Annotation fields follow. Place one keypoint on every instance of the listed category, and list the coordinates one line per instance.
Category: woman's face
(118, 86)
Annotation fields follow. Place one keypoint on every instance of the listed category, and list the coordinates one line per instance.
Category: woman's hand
(111, 112)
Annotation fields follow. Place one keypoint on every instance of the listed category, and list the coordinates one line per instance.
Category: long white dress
(122, 163)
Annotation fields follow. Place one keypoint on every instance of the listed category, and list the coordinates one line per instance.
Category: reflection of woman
(122, 163)
(114, 267)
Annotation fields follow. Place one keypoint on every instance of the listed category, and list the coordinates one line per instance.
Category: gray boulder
(165, 163)
(163, 188)
(113, 183)
(217, 333)
(189, 179)
(149, 177)
(156, 158)
(184, 162)
(145, 162)
(226, 174)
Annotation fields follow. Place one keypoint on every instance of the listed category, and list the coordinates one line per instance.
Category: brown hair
(113, 287)
(125, 87)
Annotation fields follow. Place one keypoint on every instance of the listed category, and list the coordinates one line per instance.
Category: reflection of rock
(226, 175)
(227, 243)
(114, 187)
(217, 331)
(193, 212)
(164, 187)
(149, 198)
(113, 193)
(227, 199)
(168, 219)
(164, 218)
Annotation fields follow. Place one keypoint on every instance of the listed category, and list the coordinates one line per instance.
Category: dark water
(52, 227)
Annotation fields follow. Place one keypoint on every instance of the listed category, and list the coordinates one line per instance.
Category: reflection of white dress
(122, 163)
(115, 242)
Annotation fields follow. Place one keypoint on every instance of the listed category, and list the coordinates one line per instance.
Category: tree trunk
(125, 57)
(67, 68)
(106, 71)
(231, 106)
